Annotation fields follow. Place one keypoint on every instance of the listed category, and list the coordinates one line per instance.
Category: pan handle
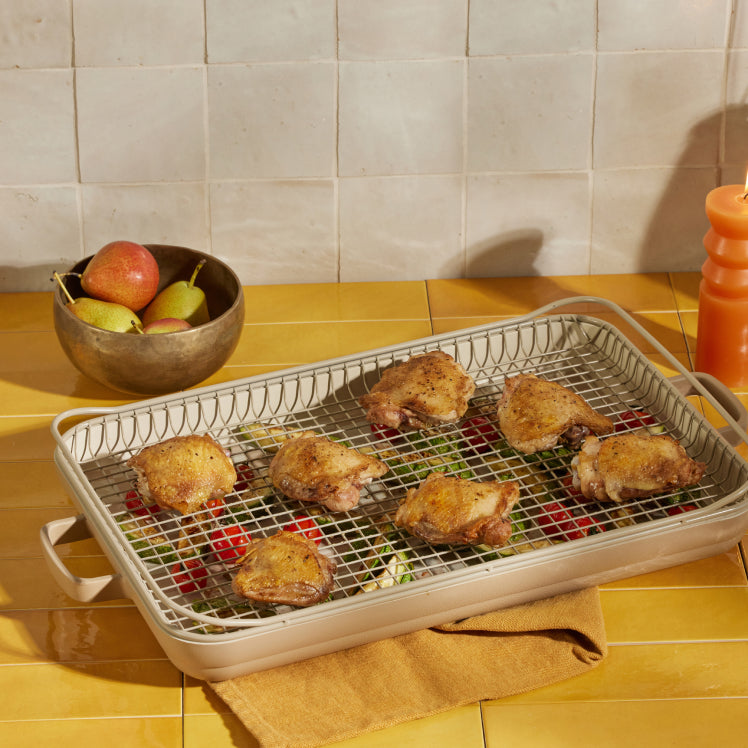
(82, 589)
(724, 397)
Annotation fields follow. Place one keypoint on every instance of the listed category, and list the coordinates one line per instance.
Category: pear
(167, 324)
(122, 272)
(180, 300)
(103, 314)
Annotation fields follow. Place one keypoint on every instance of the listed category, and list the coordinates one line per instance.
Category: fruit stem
(196, 271)
(58, 278)
(137, 327)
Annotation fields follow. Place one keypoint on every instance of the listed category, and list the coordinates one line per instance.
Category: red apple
(122, 272)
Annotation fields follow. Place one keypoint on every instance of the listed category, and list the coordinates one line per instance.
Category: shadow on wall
(518, 249)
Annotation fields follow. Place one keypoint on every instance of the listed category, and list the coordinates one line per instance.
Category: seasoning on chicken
(633, 465)
(445, 510)
(285, 568)
(534, 414)
(183, 472)
(310, 467)
(427, 389)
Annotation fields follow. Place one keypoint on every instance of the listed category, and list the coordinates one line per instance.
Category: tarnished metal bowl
(167, 362)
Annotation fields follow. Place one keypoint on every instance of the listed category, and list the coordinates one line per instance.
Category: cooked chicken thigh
(534, 414)
(286, 568)
(445, 510)
(427, 389)
(183, 472)
(633, 465)
(310, 467)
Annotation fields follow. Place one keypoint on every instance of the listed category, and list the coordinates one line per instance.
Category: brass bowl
(166, 362)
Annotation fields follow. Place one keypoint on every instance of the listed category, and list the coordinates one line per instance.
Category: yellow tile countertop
(78, 674)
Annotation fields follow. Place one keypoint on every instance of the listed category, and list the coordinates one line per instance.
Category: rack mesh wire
(251, 418)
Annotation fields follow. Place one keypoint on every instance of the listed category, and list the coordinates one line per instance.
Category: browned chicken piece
(535, 414)
(183, 472)
(310, 467)
(445, 510)
(633, 465)
(286, 568)
(427, 389)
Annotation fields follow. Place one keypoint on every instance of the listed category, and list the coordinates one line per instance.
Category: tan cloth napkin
(340, 695)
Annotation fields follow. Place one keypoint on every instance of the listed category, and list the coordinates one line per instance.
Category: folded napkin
(340, 695)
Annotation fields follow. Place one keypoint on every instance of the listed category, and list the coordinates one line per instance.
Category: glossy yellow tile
(23, 312)
(286, 345)
(20, 528)
(512, 296)
(617, 724)
(323, 302)
(76, 635)
(723, 570)
(654, 671)
(150, 732)
(686, 290)
(216, 731)
(26, 583)
(200, 698)
(674, 615)
(32, 484)
(26, 438)
(90, 690)
(665, 327)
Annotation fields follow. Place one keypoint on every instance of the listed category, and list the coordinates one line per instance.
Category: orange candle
(722, 333)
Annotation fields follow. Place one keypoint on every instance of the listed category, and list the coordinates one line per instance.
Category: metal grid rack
(251, 417)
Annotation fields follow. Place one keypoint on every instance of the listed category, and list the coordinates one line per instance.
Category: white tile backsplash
(269, 231)
(651, 108)
(37, 127)
(518, 27)
(165, 213)
(649, 220)
(392, 29)
(400, 117)
(141, 124)
(271, 120)
(529, 113)
(409, 223)
(322, 140)
(35, 34)
(262, 31)
(138, 32)
(41, 234)
(528, 224)
(625, 25)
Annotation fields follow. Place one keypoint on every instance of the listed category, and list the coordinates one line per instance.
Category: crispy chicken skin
(310, 467)
(633, 465)
(445, 510)
(183, 472)
(534, 414)
(285, 568)
(427, 389)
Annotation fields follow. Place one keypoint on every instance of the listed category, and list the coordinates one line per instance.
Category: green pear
(180, 300)
(167, 324)
(103, 314)
(122, 272)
